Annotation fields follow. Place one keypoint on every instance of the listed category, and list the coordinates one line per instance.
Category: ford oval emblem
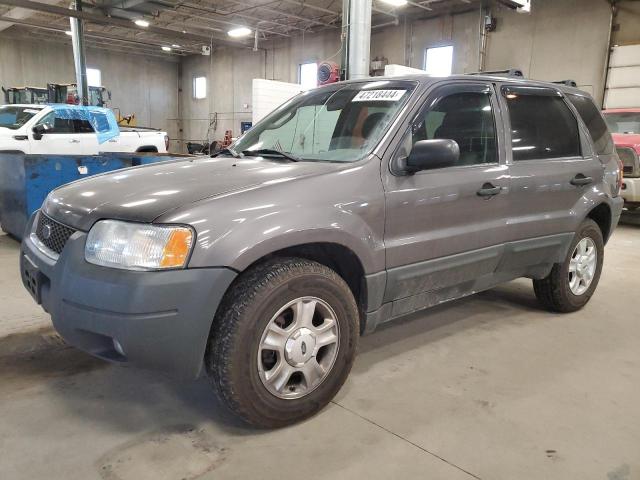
(46, 232)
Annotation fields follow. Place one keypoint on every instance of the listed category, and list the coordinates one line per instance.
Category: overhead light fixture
(68, 32)
(141, 22)
(239, 32)
(166, 49)
(175, 46)
(395, 3)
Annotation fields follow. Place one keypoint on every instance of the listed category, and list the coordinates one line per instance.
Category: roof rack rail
(511, 72)
(568, 83)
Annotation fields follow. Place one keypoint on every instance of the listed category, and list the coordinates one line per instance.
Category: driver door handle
(489, 190)
(74, 140)
(580, 180)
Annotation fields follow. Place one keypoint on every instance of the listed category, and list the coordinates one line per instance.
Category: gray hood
(144, 193)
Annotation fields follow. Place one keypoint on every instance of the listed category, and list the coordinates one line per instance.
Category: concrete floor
(487, 387)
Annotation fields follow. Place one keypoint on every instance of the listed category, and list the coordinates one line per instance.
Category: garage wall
(627, 28)
(146, 86)
(559, 40)
(230, 73)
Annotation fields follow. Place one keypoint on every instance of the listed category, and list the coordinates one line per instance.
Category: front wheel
(571, 284)
(283, 341)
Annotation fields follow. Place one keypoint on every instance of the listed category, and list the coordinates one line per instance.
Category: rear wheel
(571, 284)
(283, 341)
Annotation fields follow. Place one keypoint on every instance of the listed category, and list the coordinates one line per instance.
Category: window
(199, 88)
(57, 124)
(339, 123)
(438, 61)
(467, 118)
(542, 126)
(82, 126)
(308, 74)
(595, 123)
(94, 77)
(15, 117)
(60, 125)
(623, 122)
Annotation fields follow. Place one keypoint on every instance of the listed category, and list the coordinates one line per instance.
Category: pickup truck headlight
(138, 246)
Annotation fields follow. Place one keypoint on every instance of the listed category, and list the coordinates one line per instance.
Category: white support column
(359, 39)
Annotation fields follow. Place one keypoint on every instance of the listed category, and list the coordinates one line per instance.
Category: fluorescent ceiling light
(395, 3)
(166, 49)
(176, 46)
(141, 22)
(239, 32)
(68, 32)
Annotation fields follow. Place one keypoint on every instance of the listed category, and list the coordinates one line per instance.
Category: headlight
(138, 246)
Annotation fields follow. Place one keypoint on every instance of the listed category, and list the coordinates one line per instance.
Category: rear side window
(595, 123)
(542, 126)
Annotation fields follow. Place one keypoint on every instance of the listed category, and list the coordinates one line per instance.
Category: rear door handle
(74, 140)
(488, 190)
(580, 180)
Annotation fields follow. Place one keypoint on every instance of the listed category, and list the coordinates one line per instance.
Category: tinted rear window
(595, 123)
(542, 126)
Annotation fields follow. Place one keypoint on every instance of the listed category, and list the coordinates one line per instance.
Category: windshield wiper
(272, 151)
(230, 151)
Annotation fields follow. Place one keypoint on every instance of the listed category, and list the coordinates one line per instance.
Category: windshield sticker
(379, 96)
(30, 110)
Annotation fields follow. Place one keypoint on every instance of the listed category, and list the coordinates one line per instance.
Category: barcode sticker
(379, 95)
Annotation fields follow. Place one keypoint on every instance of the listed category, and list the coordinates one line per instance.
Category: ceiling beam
(286, 14)
(100, 19)
(214, 11)
(210, 19)
(102, 36)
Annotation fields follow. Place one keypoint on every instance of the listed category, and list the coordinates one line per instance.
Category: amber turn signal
(177, 249)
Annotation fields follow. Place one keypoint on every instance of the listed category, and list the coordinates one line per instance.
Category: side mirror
(432, 154)
(39, 131)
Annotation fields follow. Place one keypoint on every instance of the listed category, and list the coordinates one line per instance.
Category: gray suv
(348, 206)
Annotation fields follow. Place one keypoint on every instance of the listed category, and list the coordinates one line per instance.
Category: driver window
(468, 119)
(56, 124)
(48, 120)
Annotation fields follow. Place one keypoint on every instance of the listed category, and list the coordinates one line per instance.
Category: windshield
(623, 122)
(14, 117)
(340, 123)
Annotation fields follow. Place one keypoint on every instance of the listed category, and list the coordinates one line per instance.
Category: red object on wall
(328, 72)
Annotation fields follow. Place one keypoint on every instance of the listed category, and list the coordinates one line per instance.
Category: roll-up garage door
(623, 81)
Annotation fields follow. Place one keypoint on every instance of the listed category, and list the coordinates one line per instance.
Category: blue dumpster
(26, 180)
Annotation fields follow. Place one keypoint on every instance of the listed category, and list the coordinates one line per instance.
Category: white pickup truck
(43, 129)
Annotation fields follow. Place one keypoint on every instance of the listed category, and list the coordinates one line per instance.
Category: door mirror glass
(432, 154)
(39, 130)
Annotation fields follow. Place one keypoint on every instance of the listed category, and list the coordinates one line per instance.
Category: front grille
(52, 234)
(629, 159)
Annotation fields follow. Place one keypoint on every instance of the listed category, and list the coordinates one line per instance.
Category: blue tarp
(101, 119)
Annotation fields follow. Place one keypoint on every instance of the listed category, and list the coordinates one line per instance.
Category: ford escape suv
(348, 206)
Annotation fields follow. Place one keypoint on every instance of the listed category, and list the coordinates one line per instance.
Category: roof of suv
(426, 79)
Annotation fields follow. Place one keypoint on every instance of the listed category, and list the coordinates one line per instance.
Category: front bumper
(160, 320)
(631, 190)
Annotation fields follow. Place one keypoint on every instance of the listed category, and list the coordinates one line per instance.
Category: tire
(239, 332)
(554, 291)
